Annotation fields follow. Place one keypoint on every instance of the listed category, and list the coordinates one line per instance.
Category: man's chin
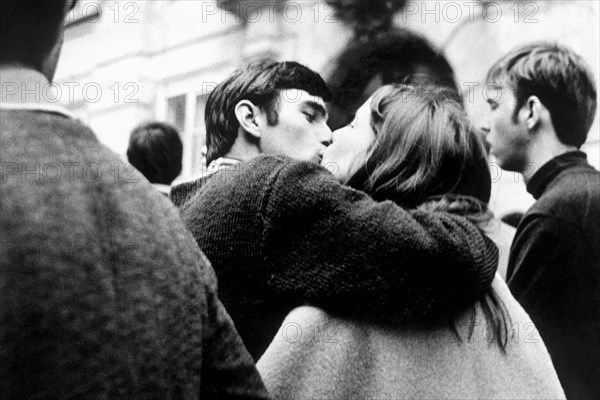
(494, 159)
(325, 162)
(503, 163)
(333, 168)
(318, 159)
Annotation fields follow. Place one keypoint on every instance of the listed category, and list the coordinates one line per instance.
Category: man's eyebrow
(318, 107)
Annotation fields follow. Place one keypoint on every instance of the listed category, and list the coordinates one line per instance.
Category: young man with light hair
(541, 112)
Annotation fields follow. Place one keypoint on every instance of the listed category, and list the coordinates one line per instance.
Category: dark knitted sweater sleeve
(183, 192)
(228, 371)
(336, 248)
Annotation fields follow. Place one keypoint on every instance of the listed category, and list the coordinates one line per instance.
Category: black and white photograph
(299, 199)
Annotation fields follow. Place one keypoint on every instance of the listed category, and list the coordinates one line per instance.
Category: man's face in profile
(506, 137)
(301, 131)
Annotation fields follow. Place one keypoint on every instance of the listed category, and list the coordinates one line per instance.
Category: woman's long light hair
(426, 155)
(424, 147)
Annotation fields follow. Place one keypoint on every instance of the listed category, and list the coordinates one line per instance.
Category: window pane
(199, 135)
(200, 104)
(176, 112)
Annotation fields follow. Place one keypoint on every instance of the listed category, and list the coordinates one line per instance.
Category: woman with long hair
(416, 148)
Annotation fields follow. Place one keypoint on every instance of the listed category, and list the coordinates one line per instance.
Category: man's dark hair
(29, 30)
(155, 150)
(260, 83)
(561, 80)
(396, 56)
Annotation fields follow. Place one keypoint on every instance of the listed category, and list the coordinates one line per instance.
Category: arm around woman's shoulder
(338, 248)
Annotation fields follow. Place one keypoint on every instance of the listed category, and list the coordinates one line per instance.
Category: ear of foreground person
(317, 355)
(103, 292)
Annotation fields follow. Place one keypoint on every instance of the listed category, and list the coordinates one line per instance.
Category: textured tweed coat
(103, 292)
(317, 356)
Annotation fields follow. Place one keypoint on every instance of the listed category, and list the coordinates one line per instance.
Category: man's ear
(535, 109)
(246, 114)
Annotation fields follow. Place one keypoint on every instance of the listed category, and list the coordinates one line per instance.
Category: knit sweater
(103, 292)
(554, 269)
(282, 233)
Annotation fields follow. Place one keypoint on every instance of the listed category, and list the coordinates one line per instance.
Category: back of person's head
(427, 155)
(260, 83)
(561, 80)
(396, 56)
(424, 147)
(30, 30)
(155, 149)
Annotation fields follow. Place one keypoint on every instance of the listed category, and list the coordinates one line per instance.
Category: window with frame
(186, 113)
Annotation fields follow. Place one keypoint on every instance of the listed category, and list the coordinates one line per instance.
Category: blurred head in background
(31, 33)
(395, 56)
(155, 149)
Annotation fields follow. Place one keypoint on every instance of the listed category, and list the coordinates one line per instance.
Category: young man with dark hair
(103, 292)
(542, 109)
(265, 89)
(267, 107)
(281, 231)
(155, 149)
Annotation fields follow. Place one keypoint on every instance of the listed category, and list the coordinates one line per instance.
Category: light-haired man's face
(301, 131)
(508, 139)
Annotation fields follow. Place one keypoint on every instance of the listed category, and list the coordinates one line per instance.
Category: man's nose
(325, 135)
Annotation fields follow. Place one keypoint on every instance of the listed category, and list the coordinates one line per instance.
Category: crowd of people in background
(338, 246)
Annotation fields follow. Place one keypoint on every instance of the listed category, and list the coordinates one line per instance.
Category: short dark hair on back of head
(260, 83)
(29, 30)
(155, 150)
(562, 81)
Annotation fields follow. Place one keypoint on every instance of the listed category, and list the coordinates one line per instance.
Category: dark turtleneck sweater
(282, 233)
(554, 269)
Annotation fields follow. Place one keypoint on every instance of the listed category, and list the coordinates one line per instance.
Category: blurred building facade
(125, 62)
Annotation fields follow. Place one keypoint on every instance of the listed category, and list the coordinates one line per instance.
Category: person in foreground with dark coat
(103, 292)
(541, 113)
(282, 232)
